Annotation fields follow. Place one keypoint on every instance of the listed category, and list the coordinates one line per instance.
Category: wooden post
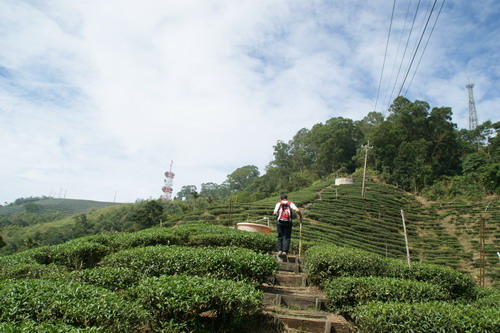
(482, 257)
(365, 147)
(230, 211)
(406, 239)
(300, 238)
(482, 261)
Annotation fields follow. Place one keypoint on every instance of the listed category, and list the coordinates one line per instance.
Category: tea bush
(324, 262)
(222, 262)
(346, 293)
(30, 270)
(192, 235)
(487, 297)
(147, 237)
(250, 240)
(71, 303)
(184, 298)
(426, 317)
(457, 283)
(28, 326)
(74, 254)
(112, 278)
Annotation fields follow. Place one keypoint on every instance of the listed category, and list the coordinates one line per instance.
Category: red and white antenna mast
(167, 187)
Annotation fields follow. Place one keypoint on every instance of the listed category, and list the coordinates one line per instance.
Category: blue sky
(97, 97)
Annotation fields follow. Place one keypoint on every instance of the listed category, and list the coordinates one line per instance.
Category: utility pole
(365, 147)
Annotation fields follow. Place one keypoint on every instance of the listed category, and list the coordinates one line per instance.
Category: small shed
(344, 181)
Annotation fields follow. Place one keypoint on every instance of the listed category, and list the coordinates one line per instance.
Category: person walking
(283, 212)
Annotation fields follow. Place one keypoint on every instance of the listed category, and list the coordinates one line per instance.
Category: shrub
(147, 237)
(184, 298)
(224, 262)
(71, 303)
(487, 298)
(75, 254)
(425, 317)
(30, 270)
(16, 259)
(112, 278)
(214, 235)
(52, 327)
(250, 240)
(346, 293)
(324, 262)
(457, 283)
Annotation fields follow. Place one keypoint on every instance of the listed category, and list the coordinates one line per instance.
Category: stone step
(289, 258)
(290, 267)
(290, 279)
(308, 322)
(298, 297)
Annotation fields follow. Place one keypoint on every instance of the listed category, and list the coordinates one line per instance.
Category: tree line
(414, 147)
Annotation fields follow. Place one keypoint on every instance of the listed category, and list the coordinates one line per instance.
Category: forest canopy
(415, 147)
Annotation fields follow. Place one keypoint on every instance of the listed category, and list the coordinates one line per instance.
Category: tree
(242, 177)
(32, 207)
(149, 213)
(187, 192)
(214, 191)
(445, 151)
(412, 170)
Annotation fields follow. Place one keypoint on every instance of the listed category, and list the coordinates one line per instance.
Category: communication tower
(167, 186)
(472, 108)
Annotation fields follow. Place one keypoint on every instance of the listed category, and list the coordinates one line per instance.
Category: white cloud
(97, 97)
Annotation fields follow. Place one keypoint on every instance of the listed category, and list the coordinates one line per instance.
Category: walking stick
(300, 236)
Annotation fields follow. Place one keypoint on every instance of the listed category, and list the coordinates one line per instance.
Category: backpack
(284, 213)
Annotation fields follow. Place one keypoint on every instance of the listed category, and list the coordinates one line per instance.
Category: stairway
(294, 305)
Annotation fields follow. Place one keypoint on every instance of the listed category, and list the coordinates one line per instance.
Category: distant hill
(65, 206)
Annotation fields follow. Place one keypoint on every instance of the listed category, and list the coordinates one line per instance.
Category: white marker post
(406, 239)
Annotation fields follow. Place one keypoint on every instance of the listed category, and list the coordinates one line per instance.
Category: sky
(97, 98)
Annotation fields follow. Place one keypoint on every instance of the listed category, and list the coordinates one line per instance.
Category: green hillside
(445, 233)
(65, 206)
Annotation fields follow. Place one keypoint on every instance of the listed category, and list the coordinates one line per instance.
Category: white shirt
(277, 207)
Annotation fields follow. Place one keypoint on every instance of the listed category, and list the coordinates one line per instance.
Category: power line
(418, 45)
(397, 52)
(425, 48)
(385, 55)
(404, 53)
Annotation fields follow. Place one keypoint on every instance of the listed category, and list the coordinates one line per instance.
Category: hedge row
(187, 235)
(159, 304)
(346, 293)
(87, 252)
(30, 270)
(186, 298)
(426, 317)
(324, 262)
(70, 303)
(112, 278)
(52, 327)
(223, 262)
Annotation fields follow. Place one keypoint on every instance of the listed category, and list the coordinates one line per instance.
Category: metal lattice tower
(472, 108)
(167, 187)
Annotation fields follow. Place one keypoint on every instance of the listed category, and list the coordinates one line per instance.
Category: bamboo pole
(406, 239)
